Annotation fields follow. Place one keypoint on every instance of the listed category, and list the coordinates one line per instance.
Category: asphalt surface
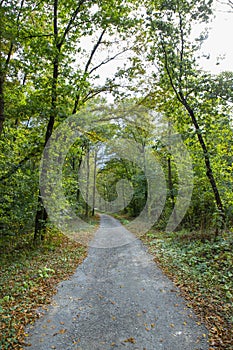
(117, 299)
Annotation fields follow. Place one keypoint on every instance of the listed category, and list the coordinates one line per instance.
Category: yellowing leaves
(61, 331)
(130, 340)
(20, 311)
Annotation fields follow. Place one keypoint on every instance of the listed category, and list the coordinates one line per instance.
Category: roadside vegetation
(54, 60)
(203, 269)
(29, 277)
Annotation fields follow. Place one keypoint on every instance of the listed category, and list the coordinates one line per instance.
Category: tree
(62, 40)
(170, 27)
(228, 3)
(46, 75)
(10, 25)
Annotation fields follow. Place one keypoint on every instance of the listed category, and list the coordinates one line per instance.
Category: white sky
(218, 44)
(220, 41)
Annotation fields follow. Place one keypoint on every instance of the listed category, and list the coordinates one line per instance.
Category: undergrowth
(203, 268)
(29, 276)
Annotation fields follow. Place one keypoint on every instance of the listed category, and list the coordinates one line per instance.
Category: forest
(104, 107)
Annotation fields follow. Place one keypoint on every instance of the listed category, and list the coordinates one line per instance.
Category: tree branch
(182, 48)
(11, 44)
(168, 71)
(71, 21)
(96, 92)
(77, 99)
(94, 51)
(109, 60)
(36, 36)
(14, 168)
(229, 3)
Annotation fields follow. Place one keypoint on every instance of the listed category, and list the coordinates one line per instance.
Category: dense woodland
(48, 74)
(54, 62)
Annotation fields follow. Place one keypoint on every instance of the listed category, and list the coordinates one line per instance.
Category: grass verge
(29, 276)
(203, 269)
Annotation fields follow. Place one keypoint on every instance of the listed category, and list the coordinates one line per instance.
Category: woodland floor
(118, 298)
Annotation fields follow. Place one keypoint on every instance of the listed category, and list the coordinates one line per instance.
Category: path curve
(117, 299)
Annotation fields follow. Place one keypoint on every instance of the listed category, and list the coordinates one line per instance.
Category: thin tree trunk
(87, 184)
(2, 117)
(4, 68)
(41, 214)
(78, 96)
(170, 182)
(169, 165)
(181, 98)
(40, 221)
(78, 190)
(94, 184)
(209, 171)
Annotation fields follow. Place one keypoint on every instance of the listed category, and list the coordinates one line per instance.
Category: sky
(220, 41)
(218, 44)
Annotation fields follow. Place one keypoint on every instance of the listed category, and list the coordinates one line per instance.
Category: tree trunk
(4, 67)
(87, 184)
(170, 182)
(209, 171)
(2, 117)
(40, 221)
(41, 214)
(94, 184)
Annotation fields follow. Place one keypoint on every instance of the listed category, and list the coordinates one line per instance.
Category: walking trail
(117, 299)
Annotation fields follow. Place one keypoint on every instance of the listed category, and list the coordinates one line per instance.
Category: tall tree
(59, 39)
(67, 30)
(10, 26)
(170, 26)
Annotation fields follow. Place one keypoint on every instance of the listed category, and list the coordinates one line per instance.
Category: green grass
(203, 268)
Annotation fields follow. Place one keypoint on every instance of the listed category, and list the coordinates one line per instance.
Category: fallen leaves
(204, 278)
(28, 281)
(149, 327)
(61, 331)
(130, 340)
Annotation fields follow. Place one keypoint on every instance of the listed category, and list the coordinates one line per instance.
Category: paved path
(117, 299)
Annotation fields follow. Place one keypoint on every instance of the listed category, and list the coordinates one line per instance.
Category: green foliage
(32, 50)
(18, 187)
(196, 103)
(46, 74)
(203, 270)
